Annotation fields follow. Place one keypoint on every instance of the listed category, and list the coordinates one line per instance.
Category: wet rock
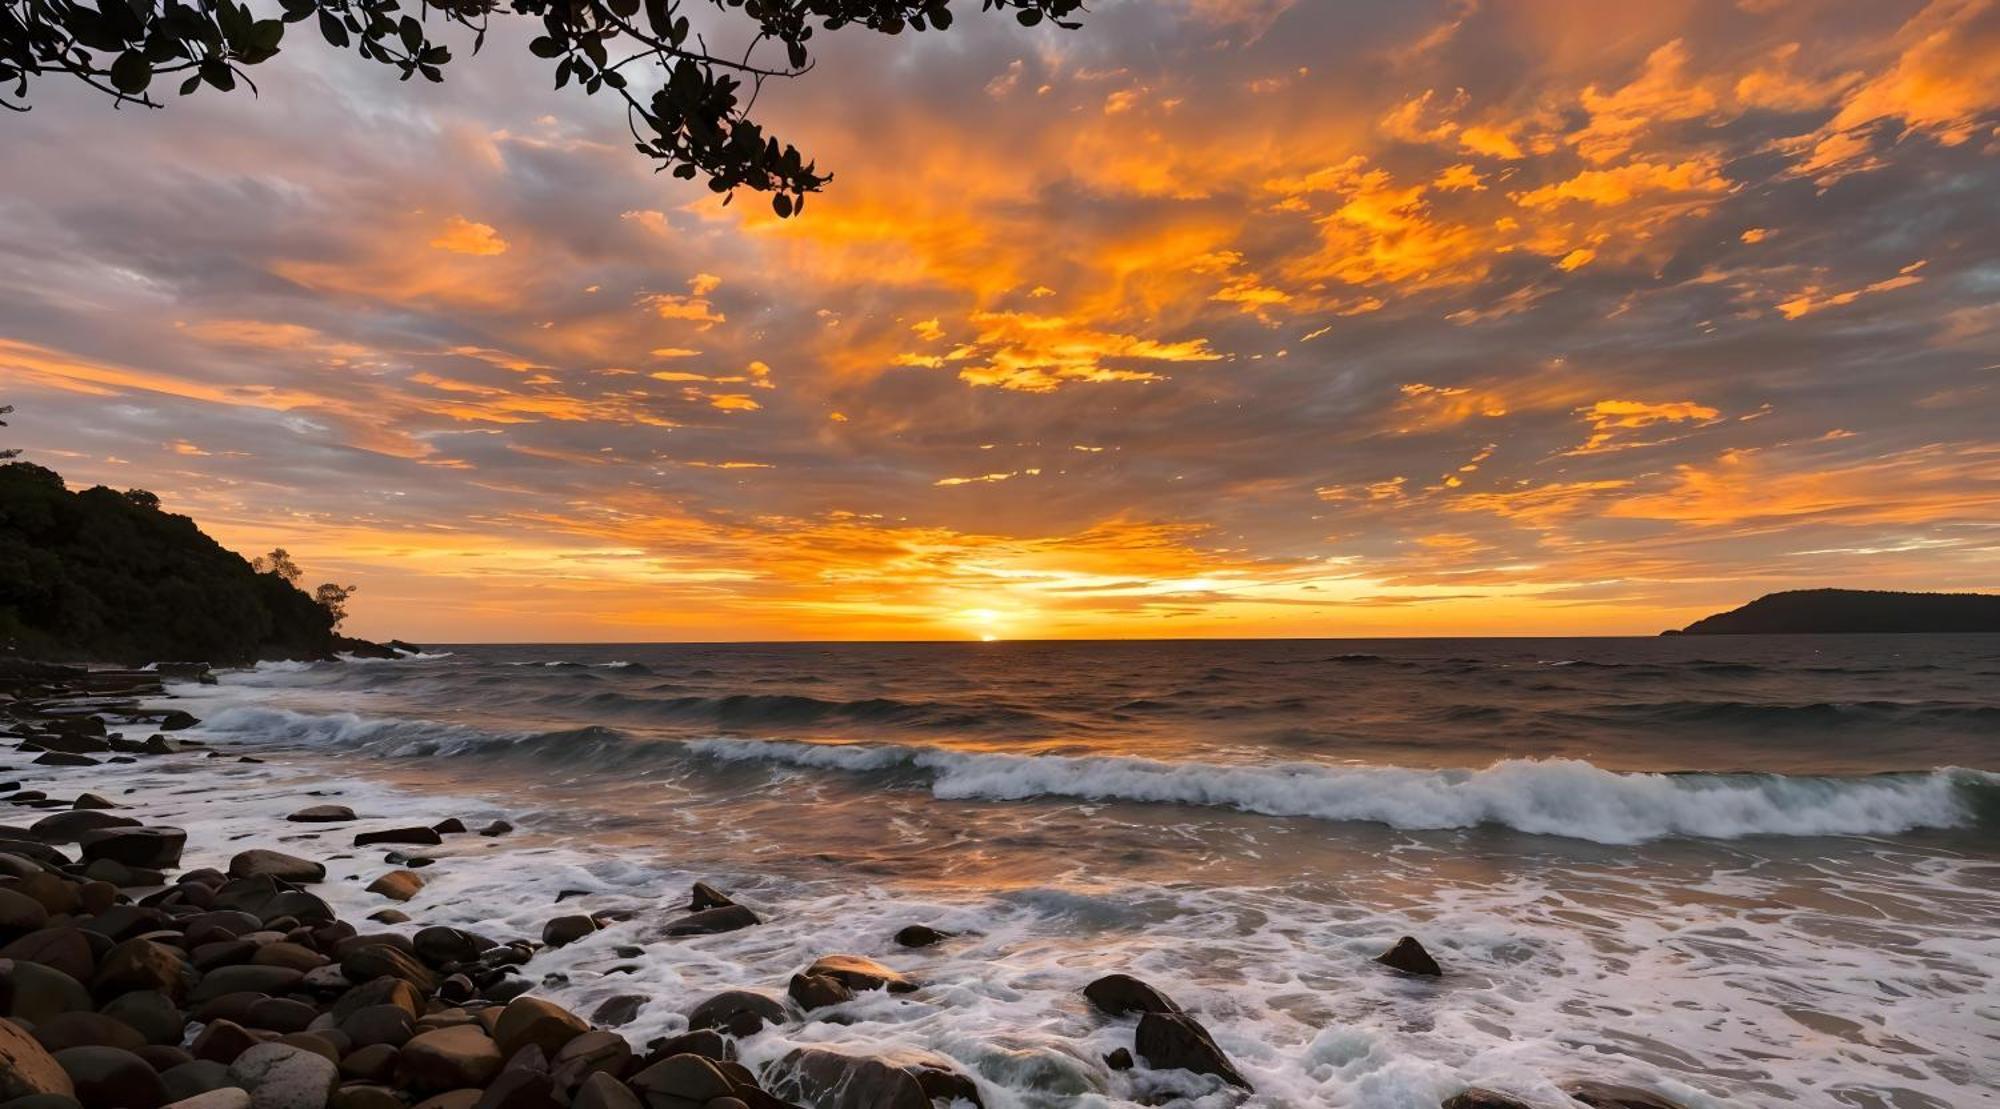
(449, 826)
(858, 973)
(285, 954)
(380, 991)
(1176, 1041)
(379, 1024)
(63, 758)
(365, 1096)
(223, 1097)
(833, 1080)
(123, 922)
(593, 1052)
(691, 1079)
(372, 1063)
(69, 826)
(739, 1012)
(194, 1079)
(601, 1091)
(1115, 995)
(259, 862)
(1606, 1095)
(497, 828)
(80, 1029)
(726, 918)
(123, 876)
(163, 1057)
(157, 848)
(175, 720)
(1410, 957)
(450, 1059)
(280, 1076)
(397, 885)
(322, 814)
(245, 978)
(151, 1013)
(705, 896)
(1477, 1097)
(417, 835)
(63, 948)
(35, 993)
(443, 947)
(705, 1042)
(564, 930)
(389, 916)
(26, 1068)
(922, 935)
(92, 801)
(617, 1010)
(380, 960)
(20, 915)
(532, 1021)
(1119, 1059)
(281, 1014)
(222, 1041)
(109, 1076)
(818, 991)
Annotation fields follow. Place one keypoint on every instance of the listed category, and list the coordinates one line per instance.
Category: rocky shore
(129, 981)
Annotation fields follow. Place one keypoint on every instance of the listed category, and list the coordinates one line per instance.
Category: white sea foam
(1563, 797)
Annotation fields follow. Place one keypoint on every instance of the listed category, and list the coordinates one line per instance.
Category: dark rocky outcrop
(738, 1012)
(921, 935)
(1410, 957)
(1854, 611)
(723, 918)
(858, 973)
(259, 861)
(1176, 1041)
(1478, 1097)
(1606, 1095)
(1115, 995)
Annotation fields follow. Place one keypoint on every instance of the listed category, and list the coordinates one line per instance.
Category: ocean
(1737, 870)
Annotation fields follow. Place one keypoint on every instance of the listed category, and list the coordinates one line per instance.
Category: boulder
(281, 1014)
(67, 827)
(1478, 1097)
(708, 922)
(373, 1063)
(705, 896)
(1176, 1041)
(858, 973)
(442, 947)
(157, 848)
(449, 1059)
(379, 1024)
(286, 954)
(151, 1013)
(281, 1076)
(222, 1097)
(122, 922)
(366, 1096)
(221, 1041)
(79, 1029)
(590, 1053)
(27, 1069)
(601, 1091)
(739, 1012)
(245, 978)
(617, 1009)
(63, 947)
(922, 935)
(817, 991)
(260, 862)
(194, 1079)
(833, 1080)
(1606, 1095)
(379, 991)
(63, 758)
(141, 964)
(532, 1021)
(1410, 957)
(1115, 995)
(449, 826)
(381, 960)
(691, 1079)
(57, 895)
(418, 835)
(109, 1076)
(397, 885)
(497, 828)
(20, 915)
(322, 814)
(163, 1057)
(92, 801)
(565, 930)
(34, 993)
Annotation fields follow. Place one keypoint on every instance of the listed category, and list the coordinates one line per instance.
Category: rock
(63, 758)
(281, 1014)
(281, 1076)
(449, 826)
(245, 978)
(452, 1099)
(222, 1041)
(64, 948)
(1606, 1095)
(321, 814)
(53, 894)
(617, 1010)
(397, 885)
(150, 1013)
(380, 991)
(109, 1076)
(1410, 957)
(259, 862)
(818, 991)
(739, 1012)
(141, 963)
(443, 947)
(922, 935)
(373, 1063)
(389, 916)
(706, 1042)
(379, 1024)
(118, 874)
(419, 835)
(833, 1080)
(380, 960)
(175, 720)
(532, 1021)
(293, 955)
(1119, 1059)
(1115, 995)
(497, 828)
(67, 827)
(449, 1059)
(92, 801)
(20, 915)
(156, 848)
(34, 993)
(689, 1078)
(708, 922)
(79, 1029)
(26, 1068)
(194, 1079)
(163, 1057)
(858, 973)
(224, 1097)
(564, 930)
(601, 1091)
(592, 1052)
(706, 896)
(1176, 1041)
(123, 922)
(1477, 1097)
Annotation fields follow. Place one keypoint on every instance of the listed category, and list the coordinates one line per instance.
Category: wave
(1561, 797)
(1806, 714)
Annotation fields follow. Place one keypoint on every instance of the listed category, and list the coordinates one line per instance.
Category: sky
(1212, 318)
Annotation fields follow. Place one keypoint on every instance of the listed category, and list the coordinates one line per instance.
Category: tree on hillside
(333, 598)
(280, 563)
(7, 452)
(694, 122)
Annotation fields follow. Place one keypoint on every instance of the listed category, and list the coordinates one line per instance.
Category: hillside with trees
(105, 576)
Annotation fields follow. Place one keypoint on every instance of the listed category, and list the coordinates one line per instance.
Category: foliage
(333, 598)
(694, 121)
(7, 452)
(278, 562)
(103, 575)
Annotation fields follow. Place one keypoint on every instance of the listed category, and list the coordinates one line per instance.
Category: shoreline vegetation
(128, 981)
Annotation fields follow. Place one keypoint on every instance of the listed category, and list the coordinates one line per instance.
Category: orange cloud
(463, 236)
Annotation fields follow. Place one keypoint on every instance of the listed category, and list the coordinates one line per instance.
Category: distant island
(1853, 611)
(106, 576)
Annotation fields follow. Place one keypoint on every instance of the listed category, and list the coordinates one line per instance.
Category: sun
(985, 623)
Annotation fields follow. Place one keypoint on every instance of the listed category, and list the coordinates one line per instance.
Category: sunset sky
(1215, 317)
